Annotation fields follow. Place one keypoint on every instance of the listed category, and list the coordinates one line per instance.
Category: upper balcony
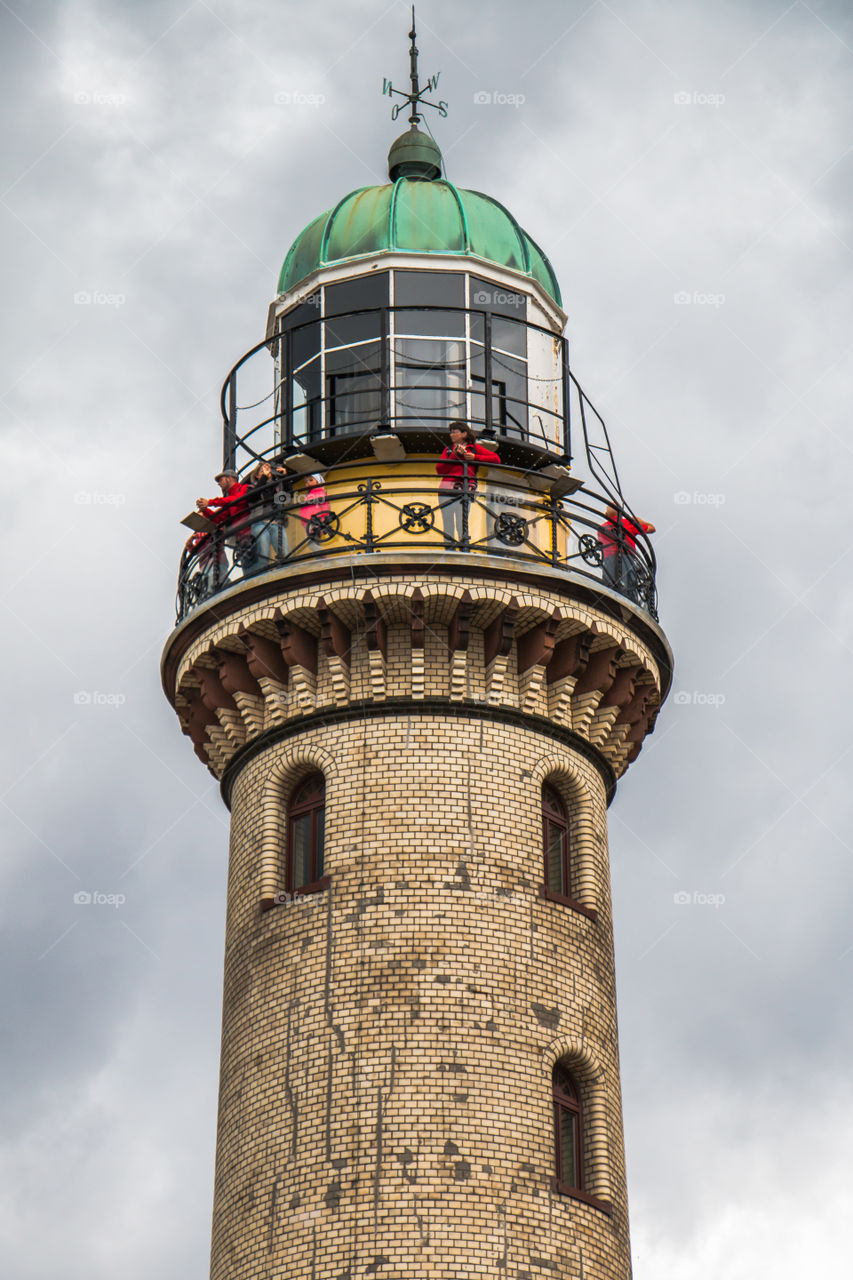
(355, 385)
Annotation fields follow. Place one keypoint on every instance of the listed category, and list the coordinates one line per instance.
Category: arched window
(306, 821)
(555, 844)
(568, 1172)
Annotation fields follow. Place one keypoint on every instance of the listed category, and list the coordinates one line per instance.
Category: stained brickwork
(388, 1043)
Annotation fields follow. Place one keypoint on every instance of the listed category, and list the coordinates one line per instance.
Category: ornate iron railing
(407, 507)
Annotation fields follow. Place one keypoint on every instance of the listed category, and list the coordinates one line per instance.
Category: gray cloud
(175, 190)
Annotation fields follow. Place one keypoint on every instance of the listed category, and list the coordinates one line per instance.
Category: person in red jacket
(229, 509)
(458, 472)
(620, 566)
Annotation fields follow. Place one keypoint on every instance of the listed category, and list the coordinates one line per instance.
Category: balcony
(368, 507)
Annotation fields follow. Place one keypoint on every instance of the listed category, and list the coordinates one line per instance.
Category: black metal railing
(407, 507)
(286, 405)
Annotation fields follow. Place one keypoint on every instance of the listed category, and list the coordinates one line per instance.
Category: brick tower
(418, 688)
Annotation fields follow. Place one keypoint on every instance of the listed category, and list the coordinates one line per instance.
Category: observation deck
(351, 393)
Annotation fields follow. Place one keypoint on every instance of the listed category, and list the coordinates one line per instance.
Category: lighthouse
(417, 650)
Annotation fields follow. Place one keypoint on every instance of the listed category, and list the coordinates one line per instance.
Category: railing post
(567, 401)
(368, 529)
(229, 427)
(487, 370)
(466, 506)
(552, 515)
(384, 367)
(287, 342)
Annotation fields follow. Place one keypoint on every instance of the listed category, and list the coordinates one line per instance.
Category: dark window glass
(555, 843)
(303, 314)
(353, 385)
(439, 324)
(488, 296)
(301, 849)
(509, 382)
(567, 1130)
(355, 295)
(305, 343)
(306, 400)
(430, 380)
(344, 330)
(306, 832)
(361, 359)
(429, 289)
(509, 335)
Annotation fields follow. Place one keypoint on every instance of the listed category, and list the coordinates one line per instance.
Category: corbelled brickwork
(388, 1043)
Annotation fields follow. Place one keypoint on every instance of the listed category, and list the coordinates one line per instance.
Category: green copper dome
(416, 215)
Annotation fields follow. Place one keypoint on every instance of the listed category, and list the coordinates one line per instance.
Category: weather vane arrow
(415, 95)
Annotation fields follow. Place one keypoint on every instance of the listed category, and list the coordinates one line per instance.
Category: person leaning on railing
(458, 476)
(228, 509)
(315, 512)
(268, 533)
(620, 566)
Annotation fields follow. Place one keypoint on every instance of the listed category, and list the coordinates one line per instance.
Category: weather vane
(414, 96)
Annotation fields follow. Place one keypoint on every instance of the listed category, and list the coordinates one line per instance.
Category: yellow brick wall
(388, 1043)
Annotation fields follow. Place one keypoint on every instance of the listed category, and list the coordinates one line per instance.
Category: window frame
(570, 1101)
(557, 816)
(313, 806)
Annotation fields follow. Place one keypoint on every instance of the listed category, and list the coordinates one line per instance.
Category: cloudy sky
(688, 170)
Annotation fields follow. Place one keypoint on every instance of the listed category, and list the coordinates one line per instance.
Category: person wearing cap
(228, 509)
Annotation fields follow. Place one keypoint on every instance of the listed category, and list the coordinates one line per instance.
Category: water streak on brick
(288, 1092)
